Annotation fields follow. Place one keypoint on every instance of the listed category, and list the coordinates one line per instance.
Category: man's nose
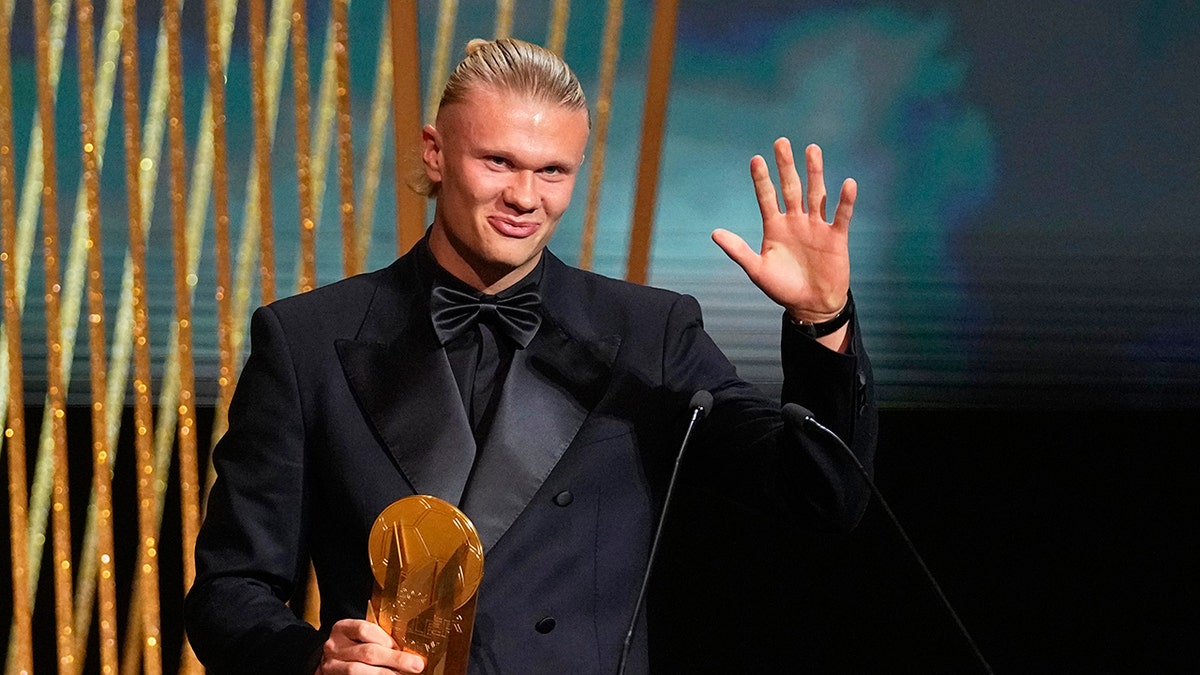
(521, 193)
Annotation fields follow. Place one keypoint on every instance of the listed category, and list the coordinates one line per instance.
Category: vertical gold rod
(189, 479)
(63, 597)
(147, 570)
(324, 112)
(609, 54)
(101, 459)
(76, 285)
(504, 18)
(21, 652)
(447, 13)
(307, 279)
(248, 247)
(42, 494)
(350, 262)
(560, 14)
(262, 147)
(654, 117)
(131, 349)
(376, 133)
(406, 123)
(224, 275)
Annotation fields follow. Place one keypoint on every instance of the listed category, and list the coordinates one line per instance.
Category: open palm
(804, 264)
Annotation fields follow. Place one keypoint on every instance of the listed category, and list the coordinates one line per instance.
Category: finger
(410, 663)
(391, 660)
(789, 179)
(365, 632)
(816, 180)
(845, 207)
(764, 189)
(737, 249)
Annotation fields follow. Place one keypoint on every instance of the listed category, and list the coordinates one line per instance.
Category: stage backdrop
(1025, 235)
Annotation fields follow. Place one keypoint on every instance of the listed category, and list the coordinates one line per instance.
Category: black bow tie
(455, 312)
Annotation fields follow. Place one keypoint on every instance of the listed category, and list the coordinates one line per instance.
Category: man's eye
(552, 170)
(498, 161)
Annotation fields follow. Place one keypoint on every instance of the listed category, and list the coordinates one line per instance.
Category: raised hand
(804, 264)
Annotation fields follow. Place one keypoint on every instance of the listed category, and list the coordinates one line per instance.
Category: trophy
(427, 561)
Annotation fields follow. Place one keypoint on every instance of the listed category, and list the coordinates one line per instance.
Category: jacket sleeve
(251, 555)
(757, 453)
(839, 389)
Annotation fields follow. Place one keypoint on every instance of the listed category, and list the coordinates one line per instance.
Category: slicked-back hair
(509, 66)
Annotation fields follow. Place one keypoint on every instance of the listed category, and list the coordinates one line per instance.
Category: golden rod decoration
(447, 13)
(101, 460)
(125, 342)
(227, 369)
(345, 167)
(504, 18)
(306, 280)
(240, 287)
(608, 72)
(189, 479)
(147, 569)
(41, 494)
(73, 292)
(201, 191)
(277, 41)
(406, 123)
(262, 149)
(166, 430)
(376, 137)
(20, 652)
(654, 117)
(60, 505)
(326, 119)
(560, 13)
(27, 216)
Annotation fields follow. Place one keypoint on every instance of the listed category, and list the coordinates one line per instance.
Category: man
(551, 419)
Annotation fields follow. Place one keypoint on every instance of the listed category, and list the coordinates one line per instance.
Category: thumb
(737, 249)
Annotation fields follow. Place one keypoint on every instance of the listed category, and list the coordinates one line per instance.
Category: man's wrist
(822, 328)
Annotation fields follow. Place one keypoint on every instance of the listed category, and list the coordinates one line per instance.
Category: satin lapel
(551, 388)
(406, 389)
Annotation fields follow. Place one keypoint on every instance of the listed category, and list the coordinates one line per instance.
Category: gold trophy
(428, 562)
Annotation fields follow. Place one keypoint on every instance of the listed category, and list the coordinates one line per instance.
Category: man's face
(506, 165)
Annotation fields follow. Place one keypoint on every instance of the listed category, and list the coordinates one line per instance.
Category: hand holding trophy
(427, 561)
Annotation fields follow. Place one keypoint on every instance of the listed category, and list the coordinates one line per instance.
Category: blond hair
(514, 67)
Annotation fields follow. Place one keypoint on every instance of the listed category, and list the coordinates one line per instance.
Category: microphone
(700, 405)
(802, 418)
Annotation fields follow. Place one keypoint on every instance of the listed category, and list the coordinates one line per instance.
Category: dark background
(1064, 540)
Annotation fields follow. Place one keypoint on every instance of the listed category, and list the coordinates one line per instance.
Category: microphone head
(796, 414)
(703, 401)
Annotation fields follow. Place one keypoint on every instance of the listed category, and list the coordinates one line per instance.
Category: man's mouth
(512, 227)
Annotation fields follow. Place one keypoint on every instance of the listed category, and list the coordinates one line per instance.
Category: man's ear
(431, 153)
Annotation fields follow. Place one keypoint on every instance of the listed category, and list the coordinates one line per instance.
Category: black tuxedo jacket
(348, 403)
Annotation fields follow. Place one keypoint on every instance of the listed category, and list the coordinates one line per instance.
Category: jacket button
(545, 625)
(564, 498)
